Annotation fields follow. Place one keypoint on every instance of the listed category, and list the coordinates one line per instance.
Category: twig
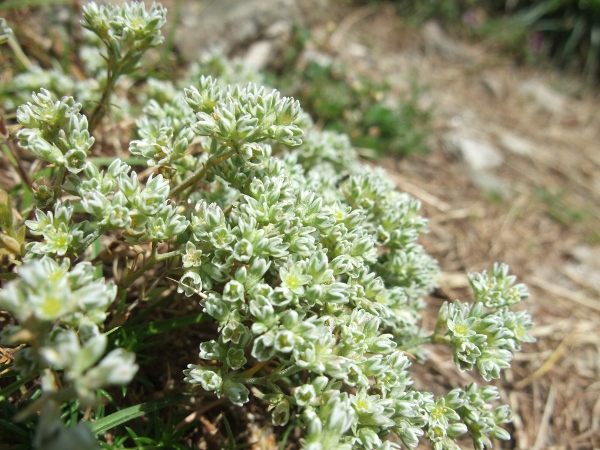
(349, 21)
(20, 169)
(420, 193)
(547, 365)
(576, 297)
(542, 434)
(191, 417)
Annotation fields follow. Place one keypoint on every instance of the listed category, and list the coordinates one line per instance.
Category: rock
(278, 29)
(545, 97)
(259, 54)
(227, 24)
(587, 255)
(477, 154)
(311, 55)
(516, 144)
(586, 268)
(357, 50)
(458, 118)
(489, 182)
(493, 84)
(436, 40)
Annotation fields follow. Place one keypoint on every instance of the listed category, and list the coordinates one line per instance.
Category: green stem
(60, 177)
(275, 376)
(155, 258)
(61, 396)
(168, 255)
(100, 110)
(285, 373)
(261, 381)
(437, 339)
(20, 56)
(56, 185)
(192, 179)
(90, 239)
(199, 173)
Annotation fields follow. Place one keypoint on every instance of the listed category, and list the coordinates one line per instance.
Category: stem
(155, 258)
(193, 178)
(20, 169)
(56, 185)
(199, 173)
(164, 256)
(436, 339)
(60, 177)
(276, 375)
(90, 239)
(285, 373)
(61, 396)
(102, 106)
(19, 54)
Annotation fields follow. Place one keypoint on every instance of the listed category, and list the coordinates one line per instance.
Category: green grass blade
(591, 63)
(133, 412)
(153, 328)
(14, 429)
(13, 387)
(535, 13)
(574, 40)
(25, 3)
(230, 437)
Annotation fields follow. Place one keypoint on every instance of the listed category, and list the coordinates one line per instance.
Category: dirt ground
(544, 225)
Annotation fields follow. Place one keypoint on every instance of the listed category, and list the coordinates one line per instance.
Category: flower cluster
(54, 131)
(59, 310)
(142, 212)
(487, 333)
(128, 30)
(164, 131)
(243, 115)
(467, 410)
(59, 233)
(114, 197)
(5, 31)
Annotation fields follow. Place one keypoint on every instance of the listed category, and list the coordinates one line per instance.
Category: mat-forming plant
(306, 260)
